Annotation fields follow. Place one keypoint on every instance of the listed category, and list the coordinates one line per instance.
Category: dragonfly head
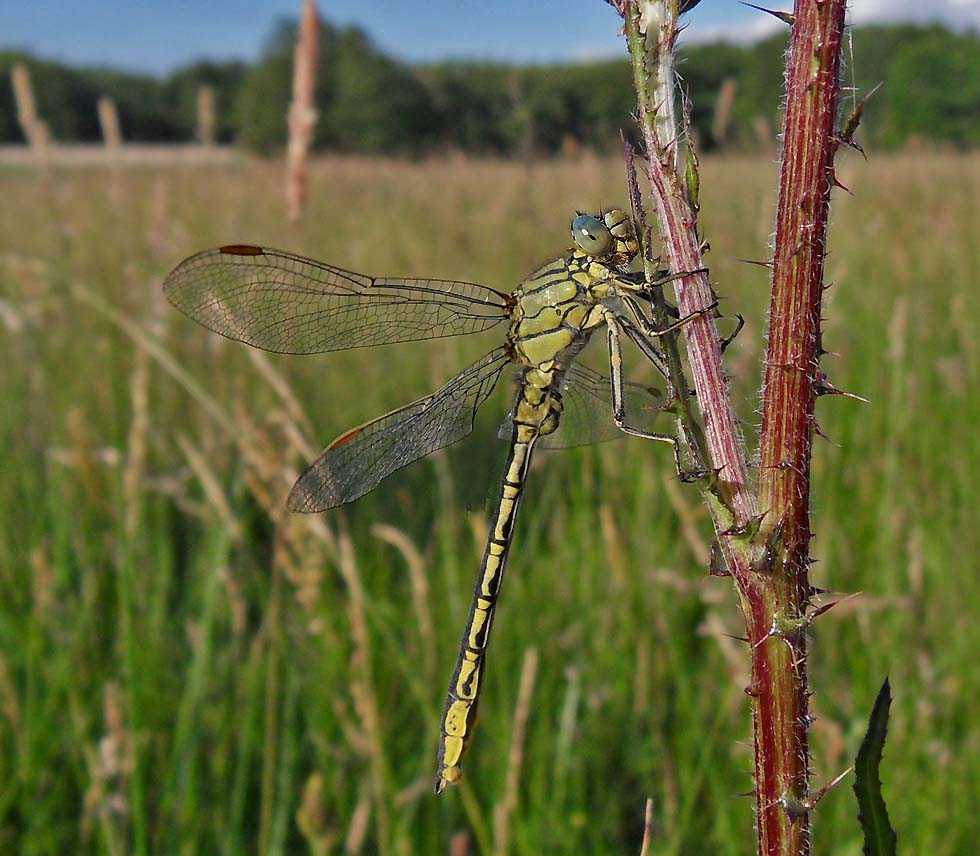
(607, 237)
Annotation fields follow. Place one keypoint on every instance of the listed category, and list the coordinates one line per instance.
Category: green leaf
(879, 837)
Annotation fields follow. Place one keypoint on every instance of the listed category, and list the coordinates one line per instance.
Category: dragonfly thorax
(550, 318)
(554, 311)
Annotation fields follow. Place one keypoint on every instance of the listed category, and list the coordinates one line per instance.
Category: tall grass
(186, 668)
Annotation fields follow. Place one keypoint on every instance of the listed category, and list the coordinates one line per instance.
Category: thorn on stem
(717, 566)
(825, 387)
(846, 134)
(820, 610)
(811, 801)
(785, 17)
(836, 182)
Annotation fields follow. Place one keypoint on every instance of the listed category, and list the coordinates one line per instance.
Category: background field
(185, 668)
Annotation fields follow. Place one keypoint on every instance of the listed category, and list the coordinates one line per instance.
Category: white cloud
(741, 31)
(754, 25)
(956, 13)
(717, 20)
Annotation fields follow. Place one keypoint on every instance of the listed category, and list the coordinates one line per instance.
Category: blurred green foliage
(372, 103)
(186, 669)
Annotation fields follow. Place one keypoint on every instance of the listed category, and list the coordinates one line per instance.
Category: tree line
(370, 102)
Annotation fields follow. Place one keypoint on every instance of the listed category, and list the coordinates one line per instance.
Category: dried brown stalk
(302, 112)
(205, 116)
(109, 123)
(34, 128)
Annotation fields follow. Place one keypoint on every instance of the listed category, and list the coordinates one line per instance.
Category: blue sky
(156, 36)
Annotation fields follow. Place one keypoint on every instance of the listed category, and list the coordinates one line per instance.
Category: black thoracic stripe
(552, 279)
(612, 226)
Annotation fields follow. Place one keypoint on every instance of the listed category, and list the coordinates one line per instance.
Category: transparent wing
(587, 414)
(354, 463)
(292, 305)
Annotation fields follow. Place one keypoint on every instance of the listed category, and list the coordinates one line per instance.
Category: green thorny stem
(767, 553)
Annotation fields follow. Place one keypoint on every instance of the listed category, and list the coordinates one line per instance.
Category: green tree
(476, 104)
(704, 68)
(933, 91)
(263, 99)
(65, 98)
(366, 101)
(372, 103)
(376, 104)
(144, 115)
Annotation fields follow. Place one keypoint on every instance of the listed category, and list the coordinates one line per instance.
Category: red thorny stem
(767, 554)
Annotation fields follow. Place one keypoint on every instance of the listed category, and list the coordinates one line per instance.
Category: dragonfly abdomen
(535, 413)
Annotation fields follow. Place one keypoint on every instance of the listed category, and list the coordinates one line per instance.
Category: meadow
(186, 667)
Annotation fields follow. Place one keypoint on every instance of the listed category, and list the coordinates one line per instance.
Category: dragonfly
(285, 303)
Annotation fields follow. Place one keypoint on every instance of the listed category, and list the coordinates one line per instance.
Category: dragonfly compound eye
(591, 235)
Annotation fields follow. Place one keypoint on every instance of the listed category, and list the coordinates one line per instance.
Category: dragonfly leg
(639, 282)
(651, 329)
(618, 396)
(615, 326)
(724, 343)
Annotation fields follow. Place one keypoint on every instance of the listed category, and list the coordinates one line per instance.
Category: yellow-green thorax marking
(553, 314)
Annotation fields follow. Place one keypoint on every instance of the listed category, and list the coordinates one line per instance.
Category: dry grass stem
(110, 767)
(280, 386)
(567, 720)
(420, 591)
(273, 681)
(210, 483)
(612, 544)
(505, 808)
(139, 392)
(459, 844)
(313, 819)
(723, 111)
(362, 685)
(647, 828)
(688, 515)
(360, 819)
(10, 699)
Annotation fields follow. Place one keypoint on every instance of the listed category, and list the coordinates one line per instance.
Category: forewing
(357, 461)
(289, 304)
(587, 411)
